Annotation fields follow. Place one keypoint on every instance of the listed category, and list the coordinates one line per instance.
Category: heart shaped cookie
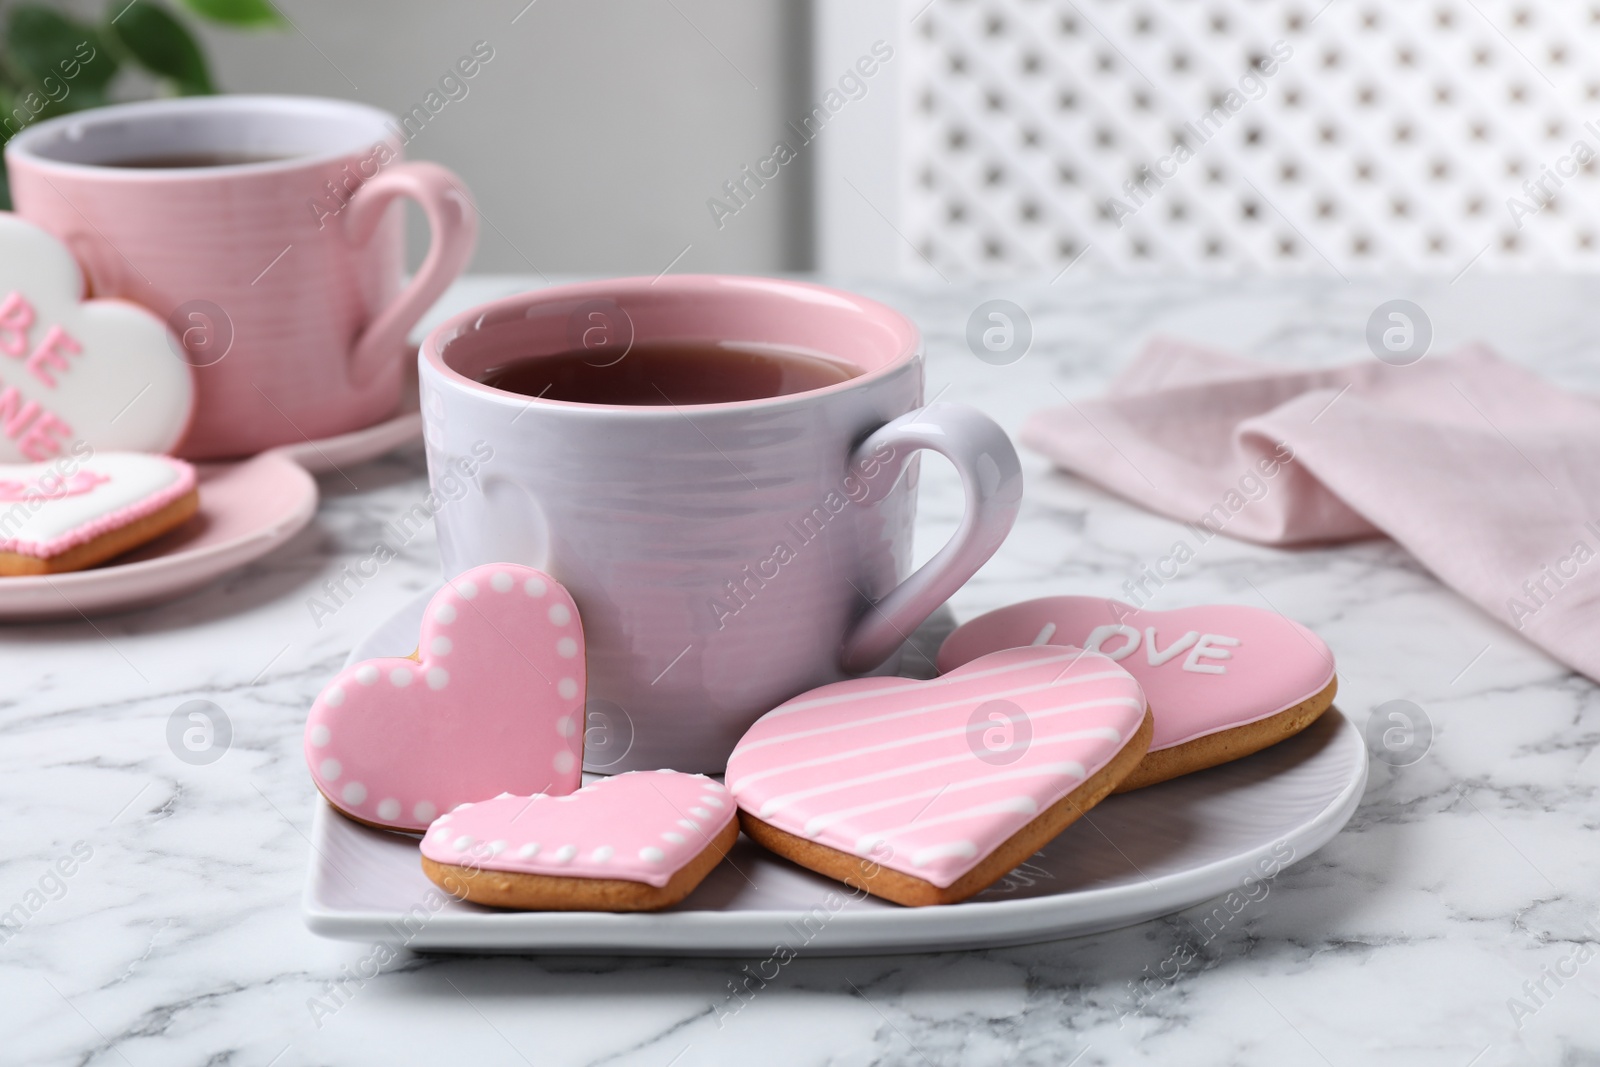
(84, 508)
(926, 792)
(491, 702)
(636, 842)
(1223, 681)
(101, 371)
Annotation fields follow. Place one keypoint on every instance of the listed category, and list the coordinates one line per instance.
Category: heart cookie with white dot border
(1223, 680)
(927, 792)
(490, 702)
(636, 842)
(105, 372)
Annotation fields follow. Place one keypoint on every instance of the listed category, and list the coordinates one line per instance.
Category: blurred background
(993, 138)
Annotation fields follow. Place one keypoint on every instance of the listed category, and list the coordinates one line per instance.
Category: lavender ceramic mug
(724, 557)
(264, 229)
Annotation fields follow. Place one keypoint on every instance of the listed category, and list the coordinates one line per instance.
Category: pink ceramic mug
(262, 228)
(724, 557)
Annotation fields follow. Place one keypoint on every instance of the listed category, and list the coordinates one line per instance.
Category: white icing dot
(424, 811)
(564, 726)
(566, 648)
(400, 677)
(441, 831)
(700, 813)
(331, 770)
(568, 688)
(443, 818)
(715, 802)
(389, 808)
(603, 853)
(534, 587)
(716, 787)
(499, 796)
(438, 677)
(441, 646)
(675, 838)
(559, 614)
(354, 793)
(651, 854)
(688, 824)
(462, 843)
(494, 848)
(366, 674)
(501, 582)
(468, 590)
(564, 762)
(333, 697)
(320, 736)
(445, 613)
(463, 806)
(529, 850)
(565, 853)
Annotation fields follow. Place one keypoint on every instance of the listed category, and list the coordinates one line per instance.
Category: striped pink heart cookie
(490, 702)
(1223, 681)
(636, 842)
(926, 792)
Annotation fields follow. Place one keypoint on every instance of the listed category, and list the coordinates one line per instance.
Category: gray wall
(595, 135)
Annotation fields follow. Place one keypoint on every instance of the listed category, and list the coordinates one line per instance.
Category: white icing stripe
(1017, 805)
(821, 822)
(747, 780)
(783, 800)
(926, 709)
(924, 856)
(889, 690)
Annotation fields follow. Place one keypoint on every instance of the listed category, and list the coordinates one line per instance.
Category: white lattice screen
(1388, 136)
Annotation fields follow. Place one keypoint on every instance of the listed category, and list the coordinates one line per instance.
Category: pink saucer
(247, 509)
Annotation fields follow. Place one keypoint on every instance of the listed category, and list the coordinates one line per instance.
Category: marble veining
(1454, 922)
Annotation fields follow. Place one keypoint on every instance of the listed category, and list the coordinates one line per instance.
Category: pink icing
(495, 705)
(87, 482)
(928, 778)
(1205, 669)
(643, 826)
(14, 491)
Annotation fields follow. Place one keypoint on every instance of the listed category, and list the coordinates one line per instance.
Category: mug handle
(992, 476)
(453, 222)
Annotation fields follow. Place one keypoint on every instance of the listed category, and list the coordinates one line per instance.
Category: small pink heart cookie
(105, 372)
(926, 792)
(491, 702)
(636, 842)
(1223, 681)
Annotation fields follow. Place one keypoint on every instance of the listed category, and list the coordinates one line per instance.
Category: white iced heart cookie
(100, 371)
(81, 509)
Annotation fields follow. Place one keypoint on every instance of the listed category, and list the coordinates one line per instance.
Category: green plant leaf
(160, 44)
(248, 14)
(41, 43)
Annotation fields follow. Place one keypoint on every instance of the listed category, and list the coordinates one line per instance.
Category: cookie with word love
(101, 371)
(85, 508)
(1223, 681)
(635, 842)
(490, 702)
(926, 792)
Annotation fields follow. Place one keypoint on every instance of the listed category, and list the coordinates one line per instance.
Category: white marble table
(1462, 877)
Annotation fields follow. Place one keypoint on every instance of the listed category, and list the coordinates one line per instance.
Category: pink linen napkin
(1488, 475)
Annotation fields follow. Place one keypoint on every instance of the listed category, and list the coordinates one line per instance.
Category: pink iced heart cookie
(1223, 681)
(927, 792)
(637, 842)
(491, 702)
(105, 372)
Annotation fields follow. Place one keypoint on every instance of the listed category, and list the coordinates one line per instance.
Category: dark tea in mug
(669, 372)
